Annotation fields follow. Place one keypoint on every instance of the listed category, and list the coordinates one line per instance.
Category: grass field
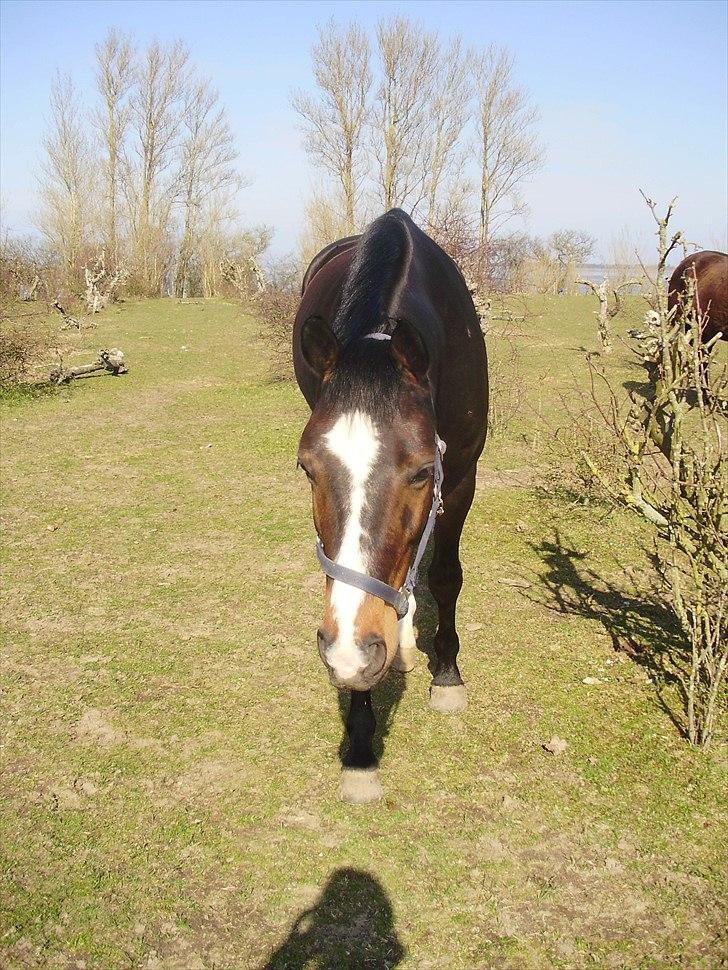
(170, 742)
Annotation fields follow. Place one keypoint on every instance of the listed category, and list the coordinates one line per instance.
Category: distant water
(597, 271)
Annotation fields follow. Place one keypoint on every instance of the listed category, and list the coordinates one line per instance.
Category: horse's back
(435, 296)
(325, 255)
(710, 271)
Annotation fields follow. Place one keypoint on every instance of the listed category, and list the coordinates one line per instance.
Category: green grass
(170, 750)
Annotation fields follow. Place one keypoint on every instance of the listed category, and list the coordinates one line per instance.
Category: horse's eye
(309, 476)
(422, 475)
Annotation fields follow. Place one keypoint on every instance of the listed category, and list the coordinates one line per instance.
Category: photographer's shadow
(350, 926)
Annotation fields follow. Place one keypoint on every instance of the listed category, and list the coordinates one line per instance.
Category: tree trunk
(349, 190)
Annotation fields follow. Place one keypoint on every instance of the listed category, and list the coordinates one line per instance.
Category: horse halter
(398, 598)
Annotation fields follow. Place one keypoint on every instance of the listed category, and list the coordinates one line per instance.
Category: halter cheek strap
(398, 598)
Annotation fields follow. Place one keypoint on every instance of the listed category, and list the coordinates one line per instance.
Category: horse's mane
(378, 261)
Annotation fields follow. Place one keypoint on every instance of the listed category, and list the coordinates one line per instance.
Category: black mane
(377, 265)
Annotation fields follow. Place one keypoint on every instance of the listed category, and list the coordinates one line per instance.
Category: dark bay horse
(709, 270)
(389, 355)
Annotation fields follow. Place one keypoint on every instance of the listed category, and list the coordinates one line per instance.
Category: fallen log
(108, 362)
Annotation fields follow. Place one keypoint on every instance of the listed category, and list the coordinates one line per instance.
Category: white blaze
(355, 442)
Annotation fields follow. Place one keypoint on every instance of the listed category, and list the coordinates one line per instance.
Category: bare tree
(66, 176)
(623, 250)
(451, 92)
(570, 248)
(240, 264)
(605, 313)
(323, 224)
(672, 469)
(507, 147)
(553, 262)
(151, 187)
(114, 78)
(335, 119)
(571, 245)
(101, 283)
(402, 116)
(216, 227)
(208, 155)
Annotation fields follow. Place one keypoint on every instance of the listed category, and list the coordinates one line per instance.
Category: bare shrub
(459, 238)
(277, 310)
(454, 231)
(672, 470)
(496, 266)
(323, 223)
(584, 432)
(19, 269)
(505, 382)
(276, 305)
(25, 344)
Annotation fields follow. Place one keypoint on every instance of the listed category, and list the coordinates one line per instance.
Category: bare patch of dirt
(210, 777)
(95, 727)
(572, 885)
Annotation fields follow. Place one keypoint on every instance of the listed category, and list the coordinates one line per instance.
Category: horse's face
(371, 474)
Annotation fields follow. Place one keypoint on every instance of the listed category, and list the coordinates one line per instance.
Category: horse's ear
(319, 346)
(409, 351)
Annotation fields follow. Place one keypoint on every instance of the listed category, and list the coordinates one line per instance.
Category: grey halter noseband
(398, 598)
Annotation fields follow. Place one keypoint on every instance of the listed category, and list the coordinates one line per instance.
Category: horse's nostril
(324, 644)
(374, 650)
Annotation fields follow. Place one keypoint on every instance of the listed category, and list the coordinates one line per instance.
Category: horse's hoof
(360, 786)
(448, 700)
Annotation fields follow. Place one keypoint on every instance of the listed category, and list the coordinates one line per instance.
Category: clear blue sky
(631, 94)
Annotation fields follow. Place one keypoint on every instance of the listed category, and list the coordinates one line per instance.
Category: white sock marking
(355, 442)
(407, 642)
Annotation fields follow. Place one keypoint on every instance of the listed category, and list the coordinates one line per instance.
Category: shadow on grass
(646, 391)
(640, 388)
(639, 625)
(351, 925)
(14, 394)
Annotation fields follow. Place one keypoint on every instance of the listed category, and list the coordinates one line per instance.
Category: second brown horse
(709, 271)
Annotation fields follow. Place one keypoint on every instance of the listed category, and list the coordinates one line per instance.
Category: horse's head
(368, 451)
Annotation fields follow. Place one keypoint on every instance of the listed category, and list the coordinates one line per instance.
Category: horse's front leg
(359, 773)
(447, 692)
(404, 661)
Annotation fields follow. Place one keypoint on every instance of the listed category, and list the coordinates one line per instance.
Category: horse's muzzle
(373, 652)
